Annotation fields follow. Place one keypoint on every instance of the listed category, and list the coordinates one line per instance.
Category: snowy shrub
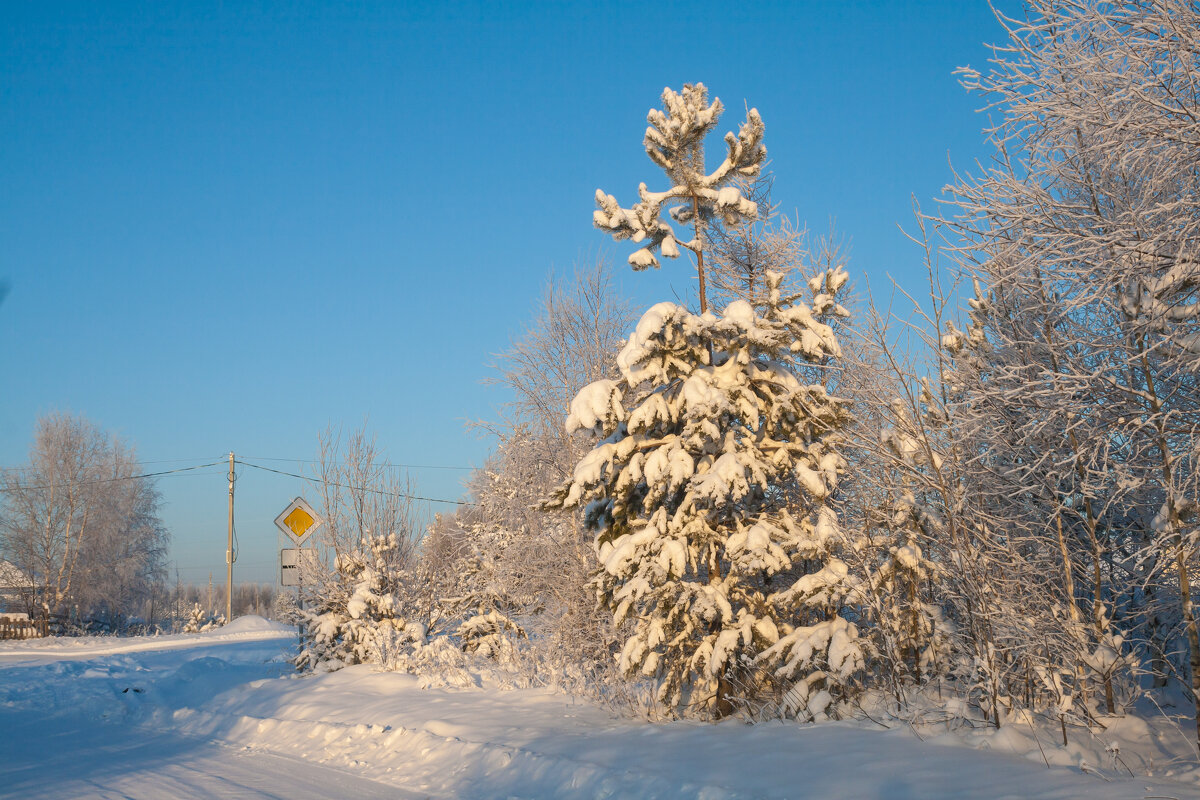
(912, 632)
(354, 618)
(285, 609)
(438, 661)
(199, 620)
(365, 595)
(490, 635)
(709, 496)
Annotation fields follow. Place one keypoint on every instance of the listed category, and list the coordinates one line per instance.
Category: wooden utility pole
(229, 551)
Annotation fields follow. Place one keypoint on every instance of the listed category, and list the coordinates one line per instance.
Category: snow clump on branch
(674, 141)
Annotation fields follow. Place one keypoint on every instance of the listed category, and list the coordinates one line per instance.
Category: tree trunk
(699, 254)
(1174, 524)
(1189, 623)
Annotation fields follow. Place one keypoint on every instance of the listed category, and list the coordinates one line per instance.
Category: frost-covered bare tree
(954, 587)
(360, 494)
(1037, 472)
(1085, 233)
(124, 564)
(911, 498)
(81, 525)
(675, 142)
(361, 595)
(577, 325)
(741, 253)
(513, 557)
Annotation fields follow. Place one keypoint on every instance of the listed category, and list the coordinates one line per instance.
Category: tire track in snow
(73, 757)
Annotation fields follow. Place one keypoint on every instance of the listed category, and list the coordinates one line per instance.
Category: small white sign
(292, 560)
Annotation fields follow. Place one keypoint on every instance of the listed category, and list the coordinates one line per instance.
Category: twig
(1029, 721)
(1088, 769)
(858, 703)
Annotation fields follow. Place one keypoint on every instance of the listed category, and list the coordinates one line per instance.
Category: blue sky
(226, 226)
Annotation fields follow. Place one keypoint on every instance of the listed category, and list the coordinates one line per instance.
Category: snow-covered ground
(221, 715)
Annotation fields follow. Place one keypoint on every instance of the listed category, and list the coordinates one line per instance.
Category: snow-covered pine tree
(200, 620)
(371, 603)
(490, 634)
(675, 142)
(723, 578)
(357, 617)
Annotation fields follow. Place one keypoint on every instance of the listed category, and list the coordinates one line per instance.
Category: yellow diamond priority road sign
(298, 520)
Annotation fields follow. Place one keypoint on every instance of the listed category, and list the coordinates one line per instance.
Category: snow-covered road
(78, 721)
(81, 719)
(69, 756)
(221, 715)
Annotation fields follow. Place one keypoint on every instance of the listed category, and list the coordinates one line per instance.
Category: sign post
(298, 521)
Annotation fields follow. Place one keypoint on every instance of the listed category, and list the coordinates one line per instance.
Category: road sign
(298, 520)
(291, 560)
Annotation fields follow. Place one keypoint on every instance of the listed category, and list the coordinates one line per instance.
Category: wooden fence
(18, 628)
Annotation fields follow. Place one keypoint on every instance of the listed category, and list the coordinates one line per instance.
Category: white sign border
(299, 502)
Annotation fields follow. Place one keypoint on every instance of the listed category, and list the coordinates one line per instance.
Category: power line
(9, 489)
(108, 480)
(356, 488)
(171, 460)
(384, 464)
(139, 463)
(388, 464)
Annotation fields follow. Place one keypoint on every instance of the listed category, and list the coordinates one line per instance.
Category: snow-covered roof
(10, 576)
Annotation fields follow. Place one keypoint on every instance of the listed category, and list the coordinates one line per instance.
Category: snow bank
(533, 743)
(390, 728)
(251, 623)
